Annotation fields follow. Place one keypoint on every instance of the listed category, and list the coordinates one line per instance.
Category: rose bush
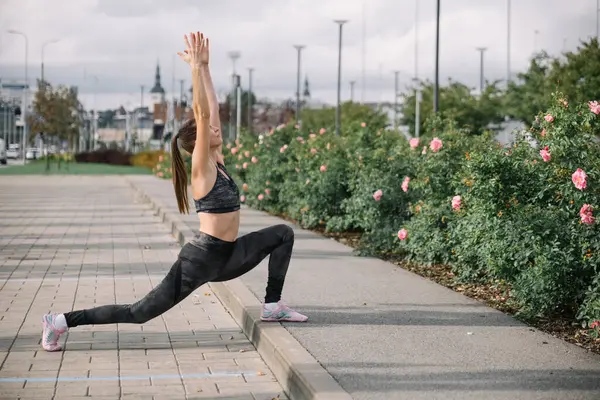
(521, 214)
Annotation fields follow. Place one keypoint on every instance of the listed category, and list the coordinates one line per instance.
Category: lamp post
(417, 106)
(396, 74)
(481, 50)
(233, 55)
(26, 88)
(436, 93)
(508, 43)
(339, 81)
(352, 83)
(250, 116)
(299, 49)
(43, 48)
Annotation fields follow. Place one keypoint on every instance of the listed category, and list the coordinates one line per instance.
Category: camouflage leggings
(204, 259)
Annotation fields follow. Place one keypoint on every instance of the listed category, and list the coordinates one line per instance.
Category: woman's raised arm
(196, 55)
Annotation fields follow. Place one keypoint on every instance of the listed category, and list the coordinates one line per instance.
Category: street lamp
(250, 116)
(339, 82)
(26, 88)
(299, 49)
(43, 47)
(436, 92)
(396, 73)
(233, 55)
(481, 50)
(352, 83)
(508, 43)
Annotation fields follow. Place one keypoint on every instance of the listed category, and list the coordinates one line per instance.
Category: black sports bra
(224, 197)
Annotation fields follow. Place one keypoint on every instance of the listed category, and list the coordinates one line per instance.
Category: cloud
(121, 41)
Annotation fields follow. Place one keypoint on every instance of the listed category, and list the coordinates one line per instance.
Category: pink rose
(267, 192)
(267, 183)
(245, 187)
(456, 203)
(297, 126)
(242, 198)
(328, 146)
(595, 324)
(312, 136)
(246, 154)
(545, 154)
(254, 160)
(435, 145)
(228, 145)
(307, 181)
(313, 151)
(297, 169)
(300, 139)
(260, 196)
(234, 151)
(245, 165)
(586, 214)
(402, 234)
(240, 157)
(594, 107)
(424, 150)
(549, 118)
(161, 158)
(377, 195)
(237, 166)
(283, 148)
(543, 132)
(363, 124)
(405, 184)
(414, 143)
(160, 174)
(323, 168)
(579, 179)
(322, 131)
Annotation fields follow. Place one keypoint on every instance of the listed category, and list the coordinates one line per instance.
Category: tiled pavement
(75, 242)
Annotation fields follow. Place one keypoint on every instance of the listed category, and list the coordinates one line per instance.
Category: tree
(474, 112)
(315, 119)
(225, 108)
(56, 113)
(576, 75)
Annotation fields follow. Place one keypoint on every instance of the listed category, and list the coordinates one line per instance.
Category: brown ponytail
(180, 178)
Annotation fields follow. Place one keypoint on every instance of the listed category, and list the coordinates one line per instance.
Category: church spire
(306, 88)
(157, 86)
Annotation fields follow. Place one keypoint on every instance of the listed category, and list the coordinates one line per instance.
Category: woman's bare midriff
(223, 226)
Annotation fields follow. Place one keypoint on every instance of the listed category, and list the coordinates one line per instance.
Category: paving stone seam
(297, 371)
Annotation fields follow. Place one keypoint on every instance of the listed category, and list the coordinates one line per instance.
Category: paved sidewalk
(385, 333)
(74, 242)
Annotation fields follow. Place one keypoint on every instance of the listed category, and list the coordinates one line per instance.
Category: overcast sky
(120, 41)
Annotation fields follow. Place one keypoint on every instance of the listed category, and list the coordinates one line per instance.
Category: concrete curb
(298, 372)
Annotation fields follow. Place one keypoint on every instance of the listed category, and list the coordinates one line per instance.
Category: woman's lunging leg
(183, 278)
(175, 287)
(278, 243)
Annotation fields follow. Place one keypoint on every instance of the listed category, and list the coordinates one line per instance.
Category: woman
(216, 254)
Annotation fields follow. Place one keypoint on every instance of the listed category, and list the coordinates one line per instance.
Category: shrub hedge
(520, 215)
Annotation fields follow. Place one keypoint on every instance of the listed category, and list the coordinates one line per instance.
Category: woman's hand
(197, 51)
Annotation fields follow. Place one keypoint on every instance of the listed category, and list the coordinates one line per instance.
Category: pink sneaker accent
(51, 334)
(280, 312)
